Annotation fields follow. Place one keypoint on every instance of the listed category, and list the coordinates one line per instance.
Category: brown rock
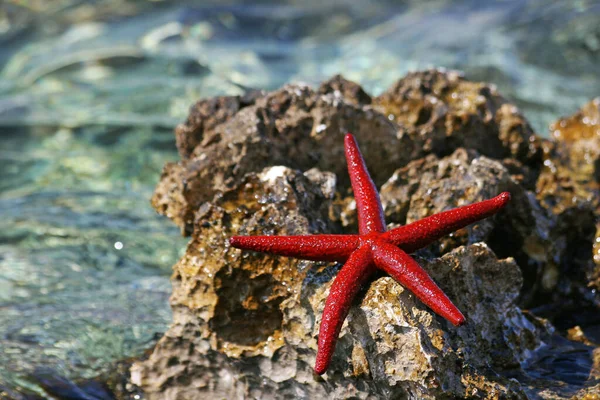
(578, 137)
(297, 127)
(350, 91)
(570, 175)
(568, 186)
(168, 197)
(204, 116)
(576, 334)
(260, 135)
(542, 244)
(447, 111)
(245, 324)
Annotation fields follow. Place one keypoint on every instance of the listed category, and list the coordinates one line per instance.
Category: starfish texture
(373, 248)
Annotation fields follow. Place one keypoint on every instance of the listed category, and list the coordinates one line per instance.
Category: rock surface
(298, 127)
(543, 244)
(245, 324)
(230, 305)
(569, 183)
(446, 111)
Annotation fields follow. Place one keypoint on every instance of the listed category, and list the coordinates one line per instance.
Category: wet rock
(432, 184)
(568, 186)
(168, 197)
(293, 126)
(350, 91)
(560, 369)
(570, 175)
(245, 324)
(592, 393)
(204, 116)
(301, 128)
(547, 250)
(576, 334)
(579, 136)
(112, 384)
(447, 111)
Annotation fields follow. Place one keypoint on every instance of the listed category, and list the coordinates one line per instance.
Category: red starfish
(373, 248)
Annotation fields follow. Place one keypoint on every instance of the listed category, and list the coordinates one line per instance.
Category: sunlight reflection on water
(89, 95)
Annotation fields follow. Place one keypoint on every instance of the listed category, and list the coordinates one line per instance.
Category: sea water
(90, 93)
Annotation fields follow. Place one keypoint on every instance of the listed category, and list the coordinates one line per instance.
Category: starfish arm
(346, 285)
(307, 247)
(406, 271)
(427, 230)
(368, 205)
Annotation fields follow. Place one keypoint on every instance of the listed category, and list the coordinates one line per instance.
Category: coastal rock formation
(230, 306)
(245, 324)
(446, 111)
(543, 244)
(298, 127)
(569, 182)
(293, 126)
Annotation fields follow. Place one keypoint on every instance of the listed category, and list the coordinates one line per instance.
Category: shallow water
(90, 92)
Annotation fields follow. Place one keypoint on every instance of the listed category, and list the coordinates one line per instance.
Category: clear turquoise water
(90, 92)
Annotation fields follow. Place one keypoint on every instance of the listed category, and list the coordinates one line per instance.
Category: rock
(579, 135)
(168, 197)
(568, 186)
(300, 128)
(431, 185)
(204, 116)
(570, 175)
(447, 111)
(349, 91)
(576, 334)
(540, 241)
(245, 324)
(260, 135)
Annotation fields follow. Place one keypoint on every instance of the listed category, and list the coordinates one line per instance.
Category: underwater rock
(245, 325)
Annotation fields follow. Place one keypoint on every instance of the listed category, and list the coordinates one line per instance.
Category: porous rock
(294, 126)
(301, 128)
(204, 116)
(447, 111)
(568, 185)
(546, 250)
(245, 324)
